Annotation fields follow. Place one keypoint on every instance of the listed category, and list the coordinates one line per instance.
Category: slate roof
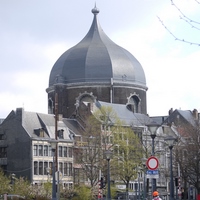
(97, 59)
(73, 126)
(177, 114)
(188, 116)
(32, 121)
(159, 119)
(125, 115)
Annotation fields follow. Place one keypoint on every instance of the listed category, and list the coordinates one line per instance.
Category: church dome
(96, 59)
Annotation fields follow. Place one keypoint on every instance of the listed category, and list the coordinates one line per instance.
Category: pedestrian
(156, 196)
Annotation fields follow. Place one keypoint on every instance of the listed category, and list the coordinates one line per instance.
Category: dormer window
(39, 132)
(71, 135)
(61, 134)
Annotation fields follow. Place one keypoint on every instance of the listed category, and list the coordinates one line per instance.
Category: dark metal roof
(97, 59)
(125, 115)
(185, 114)
(33, 121)
(73, 125)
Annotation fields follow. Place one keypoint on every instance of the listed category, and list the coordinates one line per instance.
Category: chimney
(171, 111)
(60, 117)
(195, 114)
(19, 114)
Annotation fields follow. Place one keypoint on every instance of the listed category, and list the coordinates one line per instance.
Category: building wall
(67, 96)
(42, 162)
(18, 147)
(23, 159)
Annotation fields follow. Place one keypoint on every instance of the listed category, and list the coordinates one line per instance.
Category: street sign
(152, 174)
(58, 176)
(152, 163)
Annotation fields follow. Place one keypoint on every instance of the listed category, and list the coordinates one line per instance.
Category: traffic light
(176, 182)
(102, 183)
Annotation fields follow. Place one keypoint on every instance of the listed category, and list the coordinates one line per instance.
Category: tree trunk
(185, 189)
(127, 190)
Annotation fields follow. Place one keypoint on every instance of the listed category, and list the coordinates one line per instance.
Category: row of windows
(45, 168)
(45, 150)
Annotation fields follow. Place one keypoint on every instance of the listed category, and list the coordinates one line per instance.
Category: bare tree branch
(183, 15)
(197, 1)
(176, 38)
(187, 20)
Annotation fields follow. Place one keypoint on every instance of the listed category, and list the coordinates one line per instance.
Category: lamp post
(108, 155)
(152, 127)
(53, 148)
(170, 140)
(139, 185)
(144, 181)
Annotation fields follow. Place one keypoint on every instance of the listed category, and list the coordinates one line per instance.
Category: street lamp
(53, 148)
(108, 155)
(152, 127)
(170, 140)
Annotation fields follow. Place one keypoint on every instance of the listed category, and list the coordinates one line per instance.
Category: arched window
(50, 106)
(86, 98)
(134, 104)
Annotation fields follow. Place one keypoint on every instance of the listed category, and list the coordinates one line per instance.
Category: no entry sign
(152, 163)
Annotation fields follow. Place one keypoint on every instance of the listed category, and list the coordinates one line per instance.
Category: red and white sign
(152, 163)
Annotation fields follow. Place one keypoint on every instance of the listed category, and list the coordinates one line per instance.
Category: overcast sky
(35, 33)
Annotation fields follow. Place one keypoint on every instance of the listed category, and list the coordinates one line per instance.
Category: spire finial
(95, 10)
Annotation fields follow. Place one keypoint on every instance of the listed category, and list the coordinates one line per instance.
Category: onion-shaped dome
(96, 59)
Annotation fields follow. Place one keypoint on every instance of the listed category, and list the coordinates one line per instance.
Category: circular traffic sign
(152, 163)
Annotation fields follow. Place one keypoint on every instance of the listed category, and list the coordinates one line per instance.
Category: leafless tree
(187, 155)
(88, 152)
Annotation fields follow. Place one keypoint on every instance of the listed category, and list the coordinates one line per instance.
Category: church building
(95, 72)
(96, 69)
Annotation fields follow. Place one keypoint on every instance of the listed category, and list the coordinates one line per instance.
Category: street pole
(108, 176)
(170, 140)
(152, 129)
(171, 175)
(108, 155)
(53, 148)
(54, 178)
(144, 184)
(153, 136)
(144, 181)
(136, 187)
(139, 185)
